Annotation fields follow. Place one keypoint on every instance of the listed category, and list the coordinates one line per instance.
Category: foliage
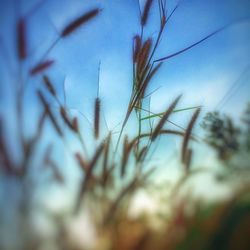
(222, 135)
(227, 139)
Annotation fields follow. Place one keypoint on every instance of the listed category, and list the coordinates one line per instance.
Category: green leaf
(175, 111)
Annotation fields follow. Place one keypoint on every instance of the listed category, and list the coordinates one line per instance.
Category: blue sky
(203, 74)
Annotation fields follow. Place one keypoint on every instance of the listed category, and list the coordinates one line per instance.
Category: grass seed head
(145, 12)
(71, 27)
(164, 118)
(49, 85)
(49, 113)
(21, 39)
(188, 134)
(97, 117)
(136, 47)
(40, 67)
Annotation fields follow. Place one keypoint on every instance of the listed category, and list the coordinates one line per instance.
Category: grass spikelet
(75, 125)
(188, 135)
(66, 119)
(105, 171)
(145, 12)
(72, 124)
(107, 178)
(41, 67)
(148, 79)
(49, 112)
(82, 163)
(137, 47)
(97, 117)
(127, 147)
(106, 153)
(96, 155)
(79, 21)
(49, 85)
(152, 73)
(21, 39)
(4, 156)
(41, 123)
(164, 118)
(163, 21)
(125, 155)
(188, 159)
(143, 55)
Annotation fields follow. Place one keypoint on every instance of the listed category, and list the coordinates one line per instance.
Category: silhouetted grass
(117, 168)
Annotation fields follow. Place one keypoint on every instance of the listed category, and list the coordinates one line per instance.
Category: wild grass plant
(116, 167)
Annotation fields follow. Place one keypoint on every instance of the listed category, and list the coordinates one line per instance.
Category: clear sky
(204, 74)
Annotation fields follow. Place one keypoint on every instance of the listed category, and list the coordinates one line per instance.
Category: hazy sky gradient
(203, 74)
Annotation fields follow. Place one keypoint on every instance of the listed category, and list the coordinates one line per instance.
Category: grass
(117, 168)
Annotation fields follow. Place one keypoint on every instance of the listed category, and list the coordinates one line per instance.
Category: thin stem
(82, 143)
(139, 129)
(191, 46)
